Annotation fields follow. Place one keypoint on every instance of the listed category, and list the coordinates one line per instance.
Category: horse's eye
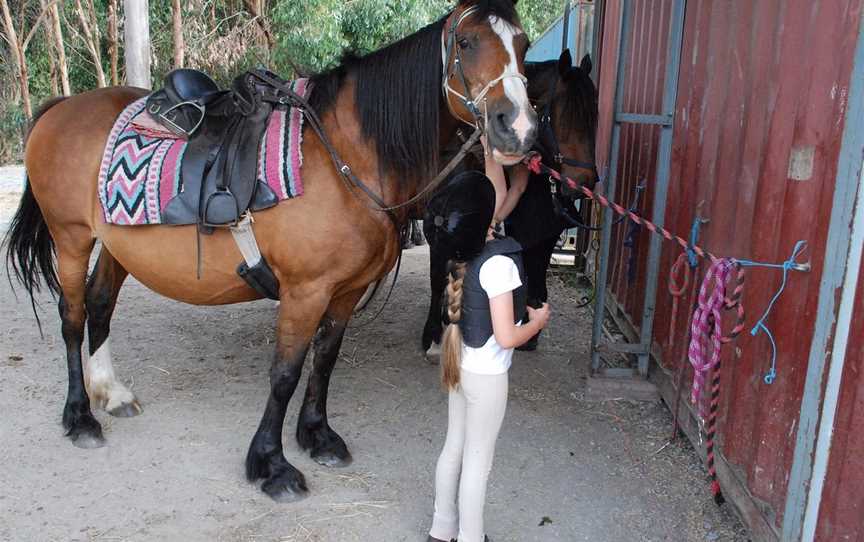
(464, 43)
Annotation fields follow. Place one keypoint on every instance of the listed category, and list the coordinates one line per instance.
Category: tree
(55, 36)
(113, 41)
(91, 36)
(18, 43)
(177, 33)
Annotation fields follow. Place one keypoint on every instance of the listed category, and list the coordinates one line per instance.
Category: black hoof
(127, 410)
(325, 445)
(283, 482)
(290, 486)
(431, 335)
(84, 432)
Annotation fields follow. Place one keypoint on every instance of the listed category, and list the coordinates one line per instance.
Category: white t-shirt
(498, 275)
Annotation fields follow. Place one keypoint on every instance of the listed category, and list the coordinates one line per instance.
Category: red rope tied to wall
(679, 279)
(706, 325)
(536, 165)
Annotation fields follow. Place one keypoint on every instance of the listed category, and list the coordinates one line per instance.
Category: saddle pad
(141, 166)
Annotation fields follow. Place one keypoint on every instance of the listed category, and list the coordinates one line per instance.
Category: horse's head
(483, 50)
(568, 121)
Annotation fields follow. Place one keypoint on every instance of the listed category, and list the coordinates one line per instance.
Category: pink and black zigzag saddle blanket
(141, 166)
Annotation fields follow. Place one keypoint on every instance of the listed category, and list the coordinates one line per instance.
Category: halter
(470, 103)
(548, 141)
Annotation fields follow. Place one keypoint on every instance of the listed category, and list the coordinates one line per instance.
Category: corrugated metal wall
(762, 84)
(841, 515)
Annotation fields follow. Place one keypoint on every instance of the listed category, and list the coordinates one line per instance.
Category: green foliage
(12, 126)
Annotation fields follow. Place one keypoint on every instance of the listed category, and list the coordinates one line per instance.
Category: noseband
(470, 103)
(548, 142)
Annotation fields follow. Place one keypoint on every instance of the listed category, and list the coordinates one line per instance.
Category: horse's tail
(29, 245)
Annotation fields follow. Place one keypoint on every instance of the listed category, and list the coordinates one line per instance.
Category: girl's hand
(540, 316)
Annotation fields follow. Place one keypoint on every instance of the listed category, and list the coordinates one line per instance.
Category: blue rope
(692, 258)
(789, 265)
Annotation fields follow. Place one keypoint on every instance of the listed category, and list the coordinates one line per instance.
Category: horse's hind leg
(102, 384)
(73, 255)
(313, 431)
(433, 328)
(298, 317)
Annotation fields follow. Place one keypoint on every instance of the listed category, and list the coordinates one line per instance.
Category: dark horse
(567, 101)
(386, 114)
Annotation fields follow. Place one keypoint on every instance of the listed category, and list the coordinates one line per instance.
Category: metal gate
(639, 112)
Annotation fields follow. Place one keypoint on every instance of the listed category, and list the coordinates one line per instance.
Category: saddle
(224, 128)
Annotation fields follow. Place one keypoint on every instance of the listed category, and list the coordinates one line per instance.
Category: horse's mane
(398, 95)
(579, 112)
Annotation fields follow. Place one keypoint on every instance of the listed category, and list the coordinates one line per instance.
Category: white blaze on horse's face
(514, 87)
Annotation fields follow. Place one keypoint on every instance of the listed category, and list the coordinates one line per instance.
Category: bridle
(470, 102)
(547, 141)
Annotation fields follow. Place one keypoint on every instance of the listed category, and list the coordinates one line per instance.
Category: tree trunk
(137, 41)
(177, 27)
(90, 29)
(55, 33)
(256, 10)
(113, 41)
(17, 49)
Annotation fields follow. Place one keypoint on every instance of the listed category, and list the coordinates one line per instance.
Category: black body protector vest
(476, 322)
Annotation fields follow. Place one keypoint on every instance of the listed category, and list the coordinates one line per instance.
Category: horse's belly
(165, 259)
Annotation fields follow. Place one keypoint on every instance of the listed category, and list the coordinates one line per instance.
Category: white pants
(476, 411)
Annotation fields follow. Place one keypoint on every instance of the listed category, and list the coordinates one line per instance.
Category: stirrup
(232, 213)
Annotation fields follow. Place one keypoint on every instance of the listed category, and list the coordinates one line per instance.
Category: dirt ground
(566, 469)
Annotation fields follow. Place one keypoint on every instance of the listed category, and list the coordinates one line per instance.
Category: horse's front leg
(313, 431)
(298, 318)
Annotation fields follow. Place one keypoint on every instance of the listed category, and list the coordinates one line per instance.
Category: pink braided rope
(707, 326)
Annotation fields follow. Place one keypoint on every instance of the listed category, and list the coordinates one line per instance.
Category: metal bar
(620, 348)
(638, 118)
(565, 30)
(664, 165)
(800, 517)
(606, 233)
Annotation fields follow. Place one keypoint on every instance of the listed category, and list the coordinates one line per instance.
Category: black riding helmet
(458, 216)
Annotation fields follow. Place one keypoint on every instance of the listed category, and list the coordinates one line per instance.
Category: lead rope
(707, 319)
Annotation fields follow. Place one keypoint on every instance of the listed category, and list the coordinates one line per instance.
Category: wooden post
(137, 40)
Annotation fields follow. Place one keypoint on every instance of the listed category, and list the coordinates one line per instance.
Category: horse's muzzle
(511, 132)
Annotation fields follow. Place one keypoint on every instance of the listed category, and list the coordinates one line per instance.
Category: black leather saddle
(224, 127)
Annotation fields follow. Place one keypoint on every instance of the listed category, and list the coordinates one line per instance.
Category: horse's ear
(565, 62)
(586, 65)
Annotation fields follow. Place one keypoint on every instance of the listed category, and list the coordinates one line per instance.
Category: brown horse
(386, 116)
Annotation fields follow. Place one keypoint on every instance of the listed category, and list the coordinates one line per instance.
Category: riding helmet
(458, 216)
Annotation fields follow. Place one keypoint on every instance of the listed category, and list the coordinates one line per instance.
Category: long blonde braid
(451, 349)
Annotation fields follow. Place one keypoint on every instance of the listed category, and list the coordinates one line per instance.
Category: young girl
(484, 293)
